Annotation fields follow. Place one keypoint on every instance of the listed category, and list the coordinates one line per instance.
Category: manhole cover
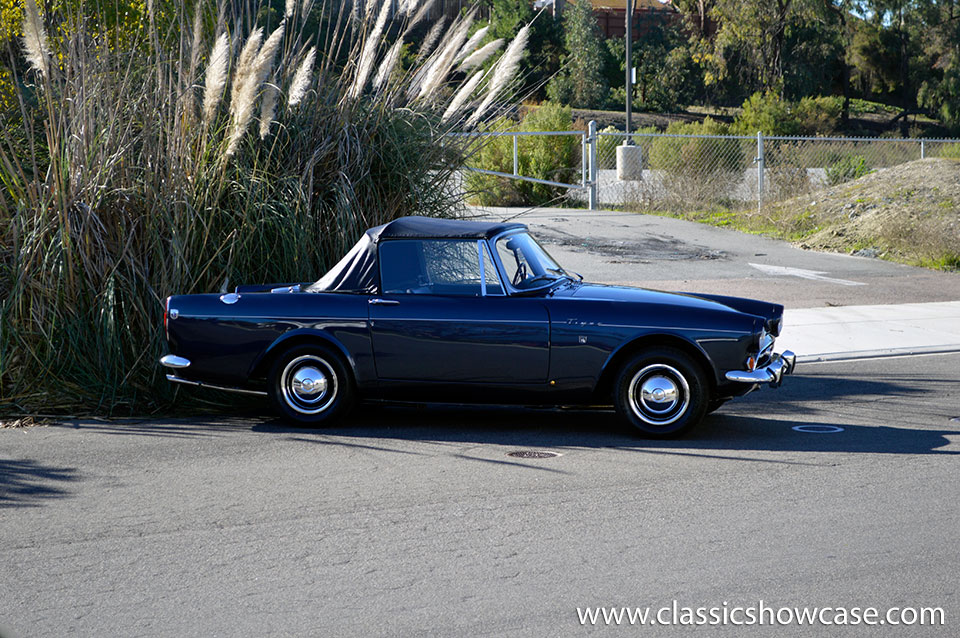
(818, 429)
(532, 454)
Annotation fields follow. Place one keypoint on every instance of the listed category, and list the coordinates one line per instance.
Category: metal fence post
(516, 158)
(923, 154)
(584, 159)
(592, 128)
(760, 163)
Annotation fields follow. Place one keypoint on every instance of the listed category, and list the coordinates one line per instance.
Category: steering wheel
(521, 274)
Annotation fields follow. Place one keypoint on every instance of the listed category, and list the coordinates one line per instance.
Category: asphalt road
(672, 254)
(415, 522)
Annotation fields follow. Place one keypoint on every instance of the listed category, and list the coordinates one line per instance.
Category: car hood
(603, 292)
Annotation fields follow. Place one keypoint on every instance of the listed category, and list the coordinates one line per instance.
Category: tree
(940, 93)
(544, 50)
(697, 15)
(667, 77)
(581, 83)
(754, 34)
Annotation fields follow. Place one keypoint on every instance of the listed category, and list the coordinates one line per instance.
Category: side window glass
(452, 266)
(434, 266)
(402, 267)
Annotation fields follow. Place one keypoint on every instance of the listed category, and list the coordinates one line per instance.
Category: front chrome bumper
(781, 364)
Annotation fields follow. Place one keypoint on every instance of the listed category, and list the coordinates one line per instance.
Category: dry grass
(908, 213)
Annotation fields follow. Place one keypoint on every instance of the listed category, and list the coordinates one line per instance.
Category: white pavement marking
(854, 332)
(817, 275)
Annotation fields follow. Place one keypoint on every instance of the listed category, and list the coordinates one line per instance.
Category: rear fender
(294, 338)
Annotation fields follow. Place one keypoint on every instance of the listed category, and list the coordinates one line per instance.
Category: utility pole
(629, 83)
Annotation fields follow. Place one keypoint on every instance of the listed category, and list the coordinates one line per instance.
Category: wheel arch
(618, 357)
(296, 338)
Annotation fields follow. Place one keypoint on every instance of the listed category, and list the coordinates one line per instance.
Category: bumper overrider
(781, 364)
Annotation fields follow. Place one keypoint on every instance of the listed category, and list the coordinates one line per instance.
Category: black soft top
(358, 270)
(432, 228)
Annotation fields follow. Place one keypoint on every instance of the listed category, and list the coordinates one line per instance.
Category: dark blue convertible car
(431, 310)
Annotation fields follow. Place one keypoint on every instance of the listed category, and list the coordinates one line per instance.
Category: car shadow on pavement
(549, 429)
(26, 483)
(865, 407)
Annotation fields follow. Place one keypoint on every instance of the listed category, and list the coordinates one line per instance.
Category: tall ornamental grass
(202, 148)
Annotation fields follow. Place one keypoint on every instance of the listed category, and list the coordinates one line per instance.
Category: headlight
(774, 326)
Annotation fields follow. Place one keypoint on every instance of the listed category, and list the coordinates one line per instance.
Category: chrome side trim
(173, 361)
(285, 289)
(483, 273)
(176, 379)
(772, 373)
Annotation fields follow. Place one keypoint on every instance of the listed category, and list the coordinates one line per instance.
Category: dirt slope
(908, 213)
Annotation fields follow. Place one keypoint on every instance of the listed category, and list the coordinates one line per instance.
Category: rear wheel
(310, 385)
(662, 392)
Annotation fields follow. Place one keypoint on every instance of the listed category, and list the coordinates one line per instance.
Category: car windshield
(526, 264)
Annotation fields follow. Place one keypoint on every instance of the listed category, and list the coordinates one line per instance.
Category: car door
(443, 317)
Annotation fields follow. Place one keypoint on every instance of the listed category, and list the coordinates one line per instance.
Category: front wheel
(662, 392)
(310, 385)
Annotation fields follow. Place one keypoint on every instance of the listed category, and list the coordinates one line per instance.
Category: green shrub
(767, 113)
(771, 115)
(818, 115)
(551, 158)
(847, 168)
(948, 150)
(697, 155)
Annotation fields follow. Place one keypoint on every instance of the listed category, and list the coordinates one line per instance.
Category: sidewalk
(857, 332)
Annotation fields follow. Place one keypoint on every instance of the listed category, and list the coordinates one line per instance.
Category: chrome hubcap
(659, 394)
(308, 384)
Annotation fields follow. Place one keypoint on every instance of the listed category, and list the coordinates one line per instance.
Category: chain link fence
(699, 172)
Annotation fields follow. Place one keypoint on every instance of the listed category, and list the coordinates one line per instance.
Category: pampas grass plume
(369, 51)
(216, 77)
(251, 79)
(386, 67)
(480, 56)
(462, 96)
(35, 46)
(503, 72)
(431, 39)
(472, 43)
(301, 79)
(444, 60)
(268, 109)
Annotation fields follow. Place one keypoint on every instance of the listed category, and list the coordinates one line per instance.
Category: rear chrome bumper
(175, 362)
(781, 364)
(198, 384)
(178, 363)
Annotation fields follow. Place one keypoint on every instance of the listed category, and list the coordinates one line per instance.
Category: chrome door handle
(383, 302)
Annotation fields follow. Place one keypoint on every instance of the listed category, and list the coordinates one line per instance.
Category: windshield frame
(507, 281)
